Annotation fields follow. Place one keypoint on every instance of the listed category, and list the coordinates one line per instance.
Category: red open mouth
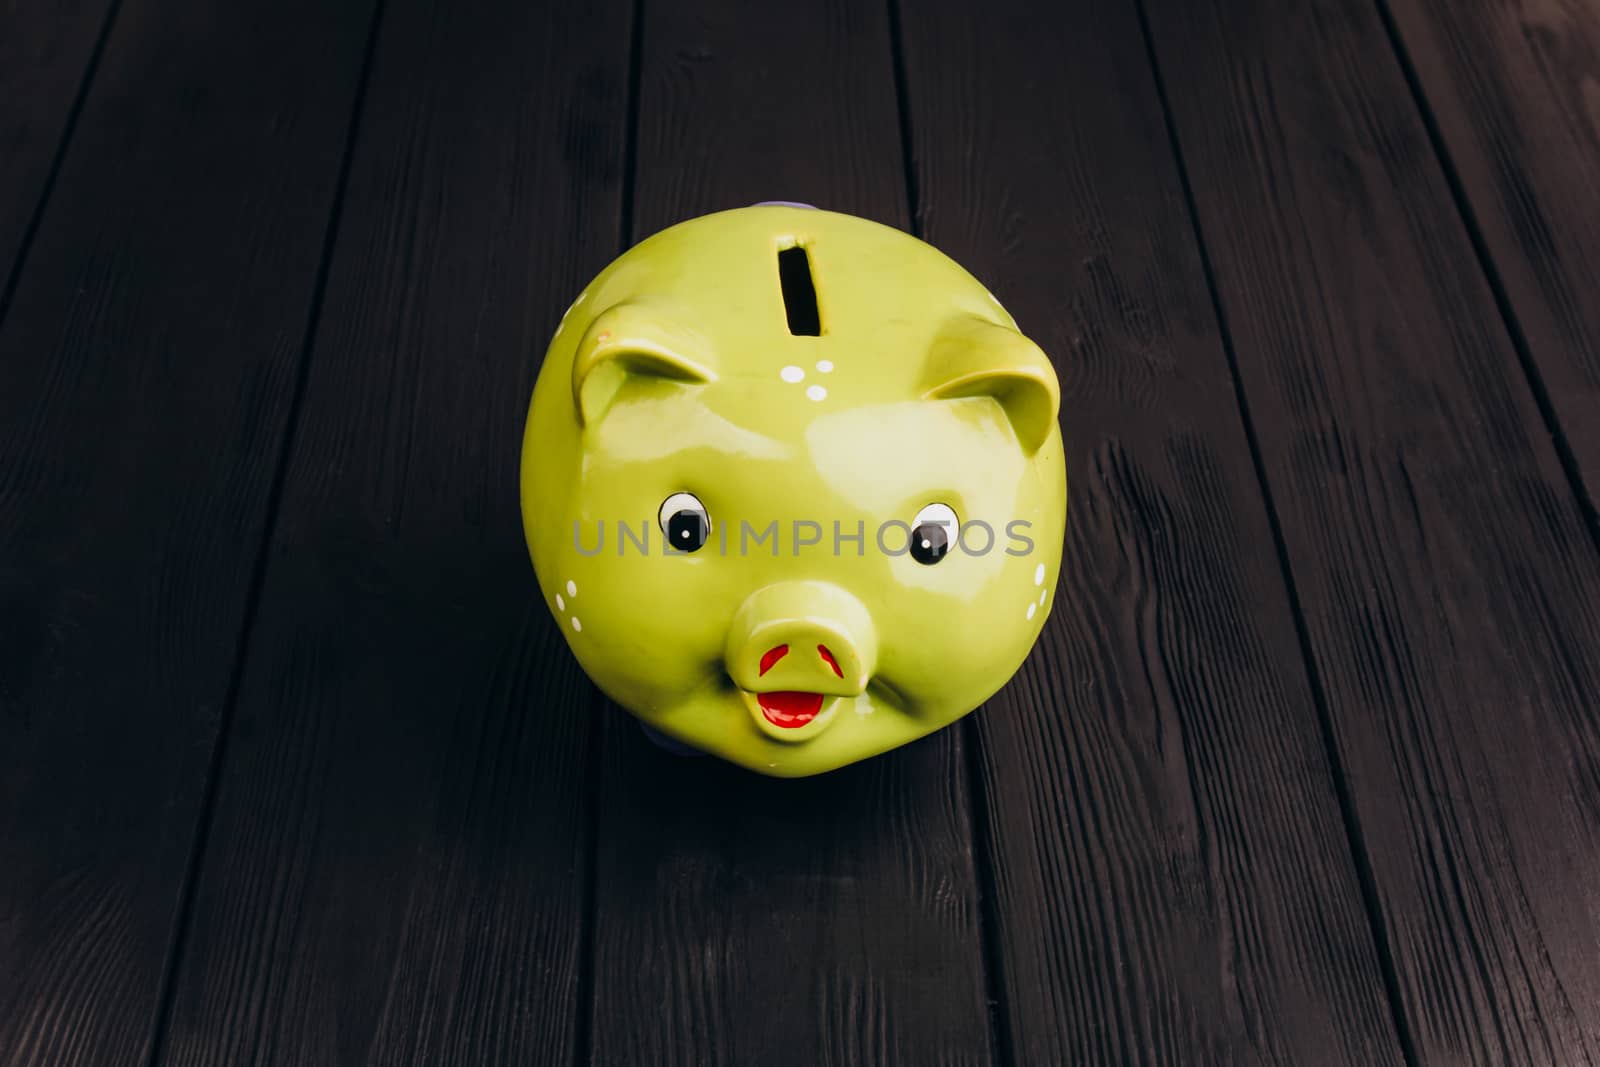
(789, 708)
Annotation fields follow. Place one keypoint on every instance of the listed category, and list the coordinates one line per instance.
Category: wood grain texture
(1514, 90)
(1450, 589)
(46, 48)
(396, 865)
(1172, 880)
(146, 373)
(739, 919)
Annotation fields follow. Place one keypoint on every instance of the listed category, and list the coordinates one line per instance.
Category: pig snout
(802, 636)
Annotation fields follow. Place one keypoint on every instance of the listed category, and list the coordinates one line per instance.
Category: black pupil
(687, 530)
(929, 543)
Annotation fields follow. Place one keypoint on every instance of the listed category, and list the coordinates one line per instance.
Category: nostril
(773, 655)
(822, 650)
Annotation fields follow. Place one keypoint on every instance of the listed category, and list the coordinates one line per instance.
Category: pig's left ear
(975, 357)
(634, 339)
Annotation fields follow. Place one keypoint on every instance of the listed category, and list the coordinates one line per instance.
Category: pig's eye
(685, 522)
(933, 533)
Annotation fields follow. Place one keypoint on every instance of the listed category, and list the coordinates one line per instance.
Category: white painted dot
(561, 604)
(825, 366)
(572, 587)
(1042, 594)
(1031, 609)
(792, 373)
(816, 392)
(576, 625)
(926, 543)
(1038, 575)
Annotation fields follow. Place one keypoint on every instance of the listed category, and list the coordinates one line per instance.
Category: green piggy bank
(793, 487)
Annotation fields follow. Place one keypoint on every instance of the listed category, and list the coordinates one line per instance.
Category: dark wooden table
(295, 767)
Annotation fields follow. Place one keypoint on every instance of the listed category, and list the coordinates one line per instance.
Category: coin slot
(799, 292)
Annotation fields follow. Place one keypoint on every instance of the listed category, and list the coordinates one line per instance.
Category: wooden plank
(1450, 589)
(147, 369)
(1171, 877)
(1511, 91)
(740, 919)
(396, 870)
(47, 52)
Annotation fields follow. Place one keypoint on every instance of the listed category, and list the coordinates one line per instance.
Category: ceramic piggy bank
(793, 486)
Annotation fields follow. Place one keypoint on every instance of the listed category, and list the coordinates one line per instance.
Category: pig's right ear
(633, 339)
(973, 357)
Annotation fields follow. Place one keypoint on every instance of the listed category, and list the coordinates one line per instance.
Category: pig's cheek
(927, 662)
(635, 624)
(942, 668)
